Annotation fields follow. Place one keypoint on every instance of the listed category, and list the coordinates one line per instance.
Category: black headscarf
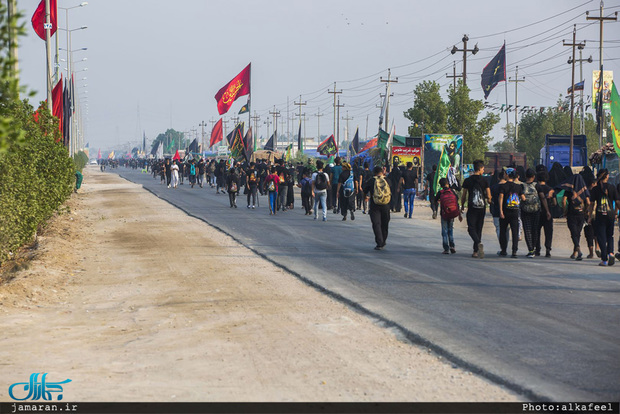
(556, 175)
(588, 175)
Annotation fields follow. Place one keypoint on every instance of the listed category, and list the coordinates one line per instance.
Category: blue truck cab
(556, 149)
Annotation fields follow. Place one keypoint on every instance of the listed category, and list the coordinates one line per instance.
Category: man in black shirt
(408, 184)
(477, 193)
(379, 213)
(510, 198)
(603, 197)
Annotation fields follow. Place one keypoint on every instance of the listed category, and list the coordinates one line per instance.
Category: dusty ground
(135, 301)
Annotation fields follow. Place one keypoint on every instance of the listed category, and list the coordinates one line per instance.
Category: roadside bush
(37, 176)
(80, 160)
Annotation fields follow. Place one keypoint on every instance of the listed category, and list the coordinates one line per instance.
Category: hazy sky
(157, 64)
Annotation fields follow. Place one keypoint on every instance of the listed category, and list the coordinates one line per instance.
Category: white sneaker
(253, 207)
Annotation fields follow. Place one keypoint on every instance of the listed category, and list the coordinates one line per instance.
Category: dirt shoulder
(135, 301)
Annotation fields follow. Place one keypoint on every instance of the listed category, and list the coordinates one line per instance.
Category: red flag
(99, 154)
(216, 135)
(38, 19)
(57, 104)
(177, 157)
(237, 87)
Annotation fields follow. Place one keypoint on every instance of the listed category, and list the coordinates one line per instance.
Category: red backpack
(449, 204)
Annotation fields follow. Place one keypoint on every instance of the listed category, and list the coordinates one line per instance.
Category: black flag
(494, 72)
(328, 147)
(269, 144)
(355, 144)
(66, 121)
(300, 145)
(193, 147)
(248, 142)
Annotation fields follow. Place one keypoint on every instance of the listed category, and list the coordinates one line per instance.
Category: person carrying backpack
(534, 202)
(377, 191)
(575, 203)
(306, 191)
(510, 198)
(192, 173)
(546, 221)
(605, 204)
(232, 181)
(364, 176)
(320, 184)
(477, 193)
(346, 190)
(408, 183)
(449, 210)
(334, 176)
(251, 185)
(272, 181)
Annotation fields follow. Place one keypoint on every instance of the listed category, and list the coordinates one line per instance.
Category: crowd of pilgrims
(276, 180)
(589, 203)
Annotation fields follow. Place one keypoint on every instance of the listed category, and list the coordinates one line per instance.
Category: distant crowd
(524, 201)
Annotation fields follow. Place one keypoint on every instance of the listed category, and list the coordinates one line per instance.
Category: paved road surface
(547, 327)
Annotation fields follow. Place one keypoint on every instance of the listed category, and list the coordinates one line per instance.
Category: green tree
(508, 142)
(429, 109)
(534, 126)
(463, 114)
(168, 138)
(10, 133)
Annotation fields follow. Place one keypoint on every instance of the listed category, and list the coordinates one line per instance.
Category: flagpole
(250, 99)
(506, 86)
(48, 51)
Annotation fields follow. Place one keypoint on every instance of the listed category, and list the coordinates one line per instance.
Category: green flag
(237, 149)
(289, 151)
(615, 117)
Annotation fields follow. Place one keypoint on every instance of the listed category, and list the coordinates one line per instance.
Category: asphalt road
(546, 327)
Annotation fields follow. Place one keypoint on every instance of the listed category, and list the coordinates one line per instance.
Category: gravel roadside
(135, 301)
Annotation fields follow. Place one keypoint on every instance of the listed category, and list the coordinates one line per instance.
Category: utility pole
(302, 117)
(276, 115)
(48, 51)
(465, 50)
(224, 124)
(347, 118)
(387, 91)
(300, 104)
(202, 143)
(571, 61)
(268, 121)
(235, 120)
(516, 80)
(338, 106)
(366, 136)
(256, 118)
(601, 20)
(335, 93)
(454, 75)
(380, 106)
(318, 126)
(580, 60)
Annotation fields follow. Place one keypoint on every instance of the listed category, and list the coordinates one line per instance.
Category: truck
(556, 149)
(496, 160)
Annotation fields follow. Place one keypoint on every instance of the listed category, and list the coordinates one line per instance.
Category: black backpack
(320, 182)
